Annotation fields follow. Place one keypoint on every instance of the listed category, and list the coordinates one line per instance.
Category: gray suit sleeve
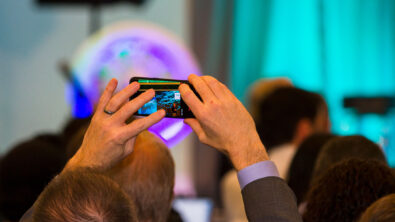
(270, 199)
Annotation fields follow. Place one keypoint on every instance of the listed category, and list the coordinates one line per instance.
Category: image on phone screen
(167, 97)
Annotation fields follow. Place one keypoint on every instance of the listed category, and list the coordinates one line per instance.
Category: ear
(303, 129)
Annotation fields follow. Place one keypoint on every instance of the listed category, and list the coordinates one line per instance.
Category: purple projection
(124, 50)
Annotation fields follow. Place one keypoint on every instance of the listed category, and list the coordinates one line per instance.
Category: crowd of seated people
(287, 166)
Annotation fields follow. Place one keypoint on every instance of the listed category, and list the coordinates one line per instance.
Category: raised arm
(223, 123)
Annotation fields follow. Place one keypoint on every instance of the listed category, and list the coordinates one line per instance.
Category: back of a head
(281, 111)
(260, 89)
(383, 210)
(147, 176)
(345, 190)
(83, 196)
(346, 147)
(24, 172)
(302, 165)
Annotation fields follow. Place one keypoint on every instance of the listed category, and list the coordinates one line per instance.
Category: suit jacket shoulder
(270, 199)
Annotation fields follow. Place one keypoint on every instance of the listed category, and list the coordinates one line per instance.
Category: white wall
(34, 39)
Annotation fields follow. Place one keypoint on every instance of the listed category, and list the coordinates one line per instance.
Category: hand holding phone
(167, 97)
(222, 121)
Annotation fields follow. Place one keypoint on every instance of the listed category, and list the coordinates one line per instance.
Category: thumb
(197, 128)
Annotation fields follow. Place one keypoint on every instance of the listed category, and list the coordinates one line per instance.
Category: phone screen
(167, 97)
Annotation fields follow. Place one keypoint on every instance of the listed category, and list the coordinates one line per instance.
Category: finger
(197, 128)
(132, 106)
(201, 87)
(227, 91)
(122, 97)
(129, 147)
(137, 126)
(215, 87)
(189, 97)
(106, 96)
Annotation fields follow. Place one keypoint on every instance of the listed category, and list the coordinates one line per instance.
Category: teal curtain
(335, 47)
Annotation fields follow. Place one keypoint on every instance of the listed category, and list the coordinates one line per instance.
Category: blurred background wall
(33, 40)
(339, 48)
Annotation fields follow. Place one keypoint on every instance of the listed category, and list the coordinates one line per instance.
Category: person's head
(260, 89)
(24, 172)
(345, 190)
(346, 147)
(303, 162)
(83, 195)
(383, 210)
(73, 125)
(75, 141)
(289, 115)
(147, 176)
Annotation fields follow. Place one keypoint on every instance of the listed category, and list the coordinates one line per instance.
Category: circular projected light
(124, 50)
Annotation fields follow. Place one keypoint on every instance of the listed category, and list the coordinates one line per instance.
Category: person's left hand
(109, 139)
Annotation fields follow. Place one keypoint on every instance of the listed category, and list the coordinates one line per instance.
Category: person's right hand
(222, 121)
(109, 138)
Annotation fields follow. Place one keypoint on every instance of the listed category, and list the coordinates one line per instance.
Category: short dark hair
(281, 111)
(346, 147)
(347, 189)
(25, 170)
(302, 165)
(147, 176)
(83, 195)
(383, 210)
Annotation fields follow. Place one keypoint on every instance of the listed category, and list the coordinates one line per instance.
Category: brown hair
(147, 176)
(83, 195)
(346, 147)
(346, 189)
(383, 210)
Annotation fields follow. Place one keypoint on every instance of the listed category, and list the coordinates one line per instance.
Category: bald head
(147, 176)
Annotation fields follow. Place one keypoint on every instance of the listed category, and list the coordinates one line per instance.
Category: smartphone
(167, 97)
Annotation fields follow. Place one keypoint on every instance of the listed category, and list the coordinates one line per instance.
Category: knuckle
(214, 104)
(204, 113)
(211, 79)
(106, 125)
(112, 136)
(111, 105)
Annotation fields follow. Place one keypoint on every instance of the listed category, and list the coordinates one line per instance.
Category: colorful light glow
(124, 50)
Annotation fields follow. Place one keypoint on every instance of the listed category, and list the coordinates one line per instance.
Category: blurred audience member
(230, 189)
(174, 216)
(73, 125)
(75, 141)
(288, 116)
(302, 165)
(83, 195)
(24, 172)
(346, 147)
(231, 198)
(260, 89)
(383, 210)
(147, 176)
(345, 190)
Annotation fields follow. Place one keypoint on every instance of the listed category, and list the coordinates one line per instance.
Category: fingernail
(182, 87)
(135, 84)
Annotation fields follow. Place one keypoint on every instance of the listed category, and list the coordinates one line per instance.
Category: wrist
(248, 153)
(77, 161)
